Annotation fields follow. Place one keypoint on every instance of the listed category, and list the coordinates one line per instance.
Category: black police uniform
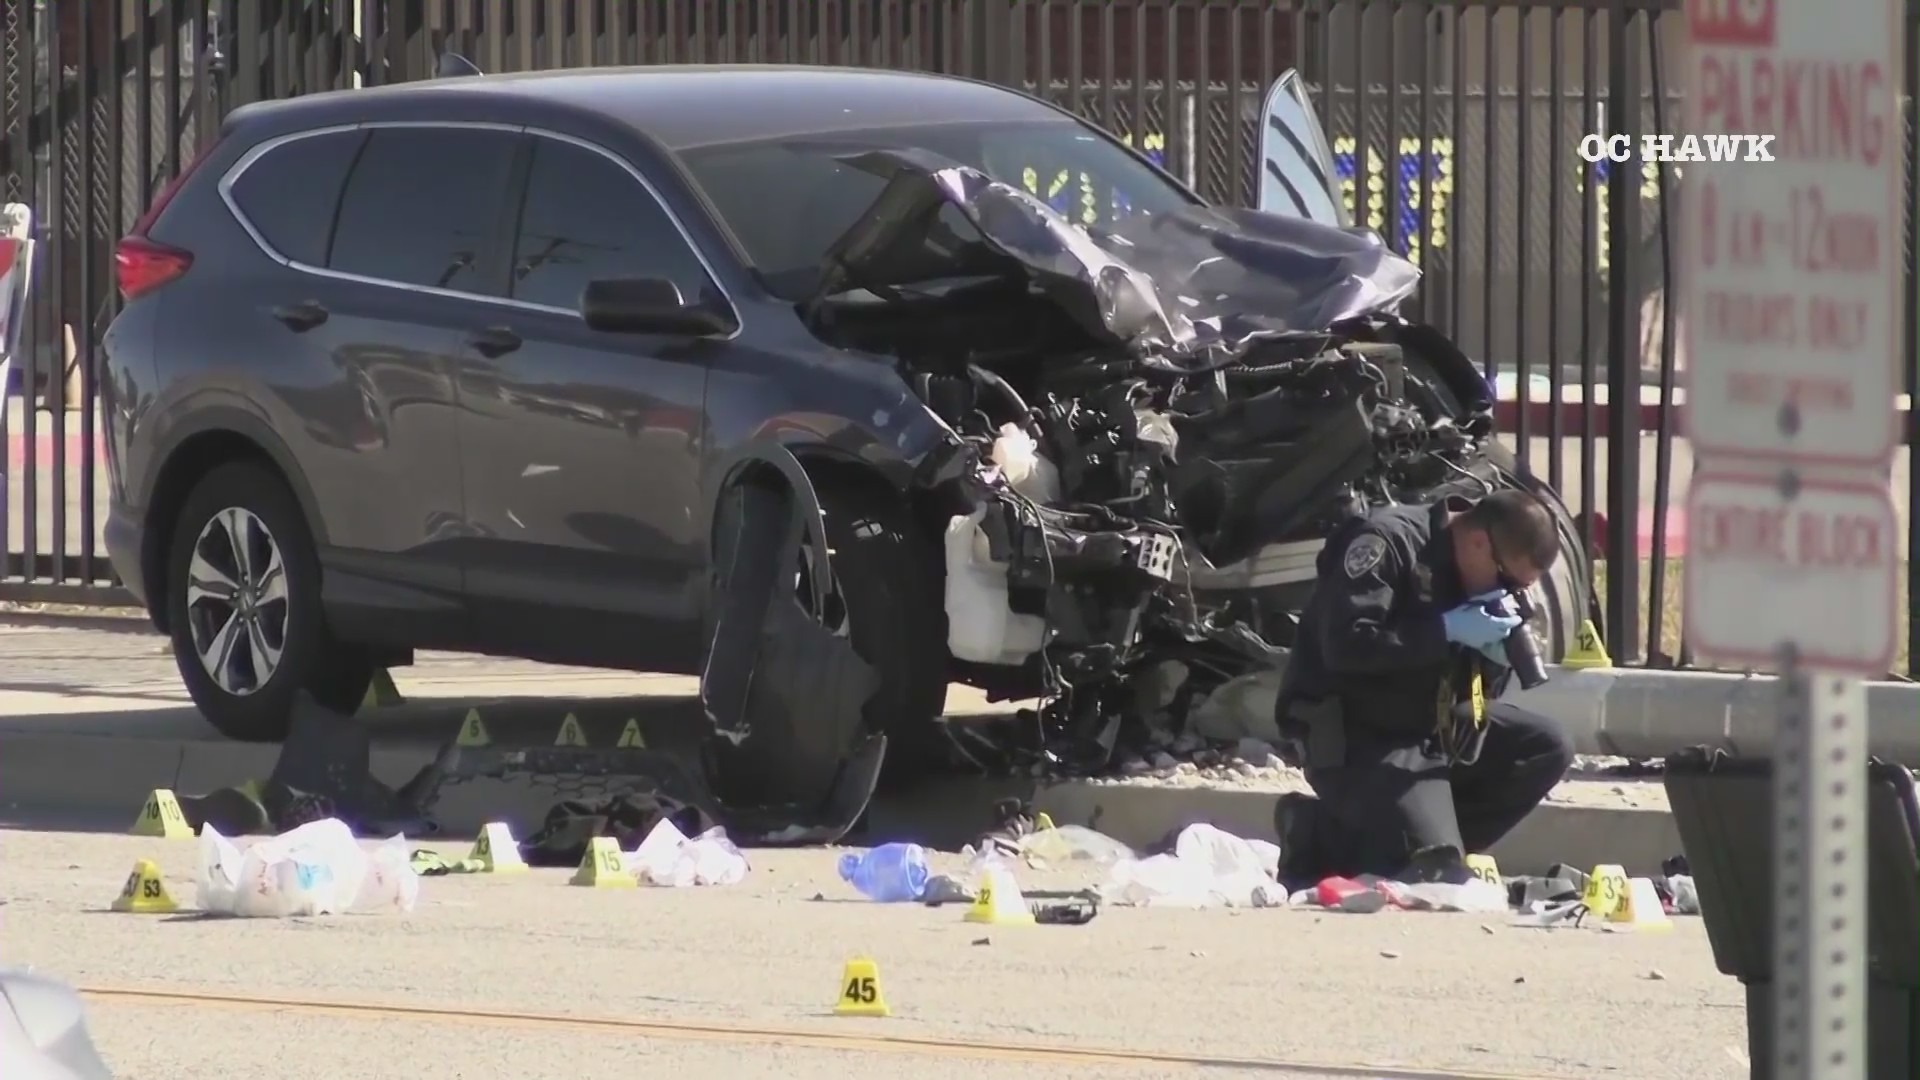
(1380, 710)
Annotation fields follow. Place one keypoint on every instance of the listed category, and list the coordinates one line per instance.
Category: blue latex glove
(1473, 625)
(1497, 652)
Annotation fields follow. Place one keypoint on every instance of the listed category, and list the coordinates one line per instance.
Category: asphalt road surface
(529, 978)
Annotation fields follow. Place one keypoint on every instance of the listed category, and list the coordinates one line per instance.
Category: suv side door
(383, 266)
(583, 471)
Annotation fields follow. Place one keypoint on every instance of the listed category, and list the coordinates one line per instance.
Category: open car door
(1297, 177)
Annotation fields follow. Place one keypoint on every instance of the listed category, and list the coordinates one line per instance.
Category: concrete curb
(101, 780)
(1632, 712)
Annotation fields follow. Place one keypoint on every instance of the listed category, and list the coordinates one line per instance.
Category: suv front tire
(243, 596)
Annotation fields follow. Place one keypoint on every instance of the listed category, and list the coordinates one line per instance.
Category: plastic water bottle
(889, 873)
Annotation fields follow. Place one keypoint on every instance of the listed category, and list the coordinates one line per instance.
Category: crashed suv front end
(1151, 427)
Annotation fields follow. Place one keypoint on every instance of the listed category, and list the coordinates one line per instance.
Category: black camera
(1523, 647)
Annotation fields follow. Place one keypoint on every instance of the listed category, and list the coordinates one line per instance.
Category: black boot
(1441, 863)
(1296, 823)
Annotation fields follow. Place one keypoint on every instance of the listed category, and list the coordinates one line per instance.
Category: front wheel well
(191, 460)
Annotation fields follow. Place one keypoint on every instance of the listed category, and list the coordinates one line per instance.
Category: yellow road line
(688, 1031)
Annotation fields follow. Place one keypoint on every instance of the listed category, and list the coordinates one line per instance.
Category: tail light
(142, 264)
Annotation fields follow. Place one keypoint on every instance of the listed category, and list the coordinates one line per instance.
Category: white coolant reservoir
(1026, 471)
(981, 628)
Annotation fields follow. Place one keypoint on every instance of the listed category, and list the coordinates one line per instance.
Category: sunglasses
(1501, 573)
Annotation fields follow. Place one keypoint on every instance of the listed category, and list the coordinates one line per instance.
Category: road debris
(890, 873)
(1206, 867)
(316, 869)
(669, 858)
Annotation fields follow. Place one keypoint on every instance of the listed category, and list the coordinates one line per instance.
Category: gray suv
(796, 379)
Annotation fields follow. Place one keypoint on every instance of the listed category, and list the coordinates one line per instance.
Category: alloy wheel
(237, 601)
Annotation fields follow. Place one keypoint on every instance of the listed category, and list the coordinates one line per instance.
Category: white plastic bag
(1228, 855)
(315, 869)
(668, 858)
(1160, 881)
(1209, 867)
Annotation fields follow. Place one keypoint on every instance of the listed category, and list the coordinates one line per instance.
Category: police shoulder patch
(1363, 554)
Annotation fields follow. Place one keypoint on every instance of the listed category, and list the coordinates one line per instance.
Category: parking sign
(1812, 567)
(1791, 267)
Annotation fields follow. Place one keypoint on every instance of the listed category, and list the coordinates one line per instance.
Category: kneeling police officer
(1388, 702)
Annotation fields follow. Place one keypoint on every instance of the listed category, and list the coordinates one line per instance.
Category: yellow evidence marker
(1642, 909)
(497, 851)
(381, 693)
(630, 737)
(473, 731)
(1484, 868)
(860, 990)
(571, 733)
(1588, 650)
(603, 867)
(162, 816)
(1606, 891)
(144, 893)
(998, 901)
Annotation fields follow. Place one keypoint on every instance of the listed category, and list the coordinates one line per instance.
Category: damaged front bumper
(325, 770)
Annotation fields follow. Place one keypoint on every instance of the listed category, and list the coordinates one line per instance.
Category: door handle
(301, 317)
(494, 341)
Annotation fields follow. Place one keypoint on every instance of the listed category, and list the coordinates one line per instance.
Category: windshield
(788, 200)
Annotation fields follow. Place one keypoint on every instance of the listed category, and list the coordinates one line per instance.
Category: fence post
(1623, 338)
(990, 21)
(247, 59)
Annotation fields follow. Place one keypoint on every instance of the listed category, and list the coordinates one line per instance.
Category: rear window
(289, 195)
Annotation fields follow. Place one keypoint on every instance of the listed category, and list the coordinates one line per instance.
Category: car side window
(290, 193)
(585, 217)
(420, 205)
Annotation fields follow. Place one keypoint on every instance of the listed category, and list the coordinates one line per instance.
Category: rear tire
(243, 597)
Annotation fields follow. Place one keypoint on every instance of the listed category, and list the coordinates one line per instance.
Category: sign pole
(1820, 879)
(1792, 303)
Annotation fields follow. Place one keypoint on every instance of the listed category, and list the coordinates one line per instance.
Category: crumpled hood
(1191, 281)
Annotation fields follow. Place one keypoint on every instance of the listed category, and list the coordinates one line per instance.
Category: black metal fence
(1455, 125)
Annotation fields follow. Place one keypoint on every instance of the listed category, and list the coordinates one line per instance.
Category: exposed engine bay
(1153, 427)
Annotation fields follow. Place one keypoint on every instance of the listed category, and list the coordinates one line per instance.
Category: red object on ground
(1346, 894)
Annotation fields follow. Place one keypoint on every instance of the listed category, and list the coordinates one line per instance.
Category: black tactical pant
(1393, 798)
